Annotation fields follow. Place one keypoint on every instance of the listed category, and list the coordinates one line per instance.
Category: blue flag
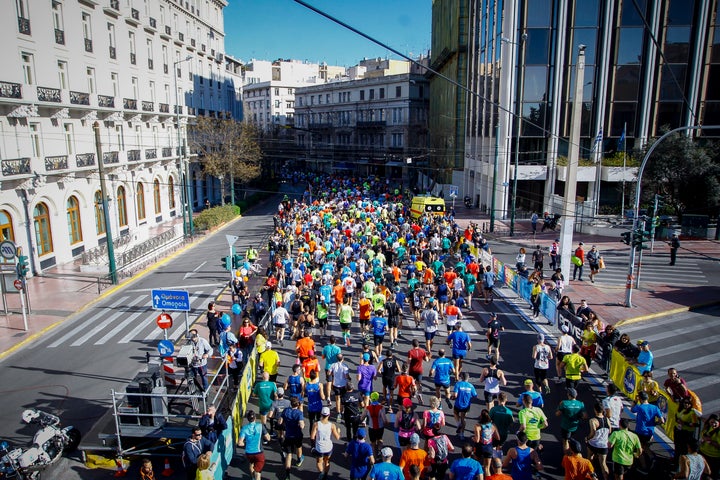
(621, 140)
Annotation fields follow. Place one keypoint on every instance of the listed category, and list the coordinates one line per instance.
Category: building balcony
(202, 50)
(79, 98)
(192, 44)
(148, 106)
(167, 152)
(113, 52)
(88, 45)
(129, 104)
(178, 109)
(320, 126)
(151, 154)
(618, 174)
(166, 33)
(180, 151)
(56, 162)
(10, 90)
(151, 65)
(45, 94)
(133, 58)
(106, 101)
(85, 160)
(111, 158)
(164, 108)
(373, 124)
(133, 155)
(112, 8)
(16, 166)
(180, 40)
(153, 24)
(59, 37)
(584, 174)
(166, 69)
(134, 18)
(24, 25)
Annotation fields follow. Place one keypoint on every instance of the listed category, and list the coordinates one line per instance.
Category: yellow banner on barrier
(627, 378)
(244, 391)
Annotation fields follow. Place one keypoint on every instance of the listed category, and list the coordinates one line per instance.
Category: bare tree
(227, 149)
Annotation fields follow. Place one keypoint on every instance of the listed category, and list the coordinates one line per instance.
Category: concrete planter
(584, 174)
(618, 174)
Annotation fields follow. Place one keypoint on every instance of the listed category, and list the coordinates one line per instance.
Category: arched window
(171, 192)
(43, 233)
(140, 201)
(122, 207)
(156, 196)
(6, 228)
(99, 214)
(73, 219)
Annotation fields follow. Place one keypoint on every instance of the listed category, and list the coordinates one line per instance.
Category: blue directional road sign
(170, 300)
(166, 348)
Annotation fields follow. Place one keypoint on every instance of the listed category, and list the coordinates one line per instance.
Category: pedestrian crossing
(129, 318)
(686, 342)
(655, 268)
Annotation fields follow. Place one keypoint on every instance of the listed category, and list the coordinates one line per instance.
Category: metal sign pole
(22, 306)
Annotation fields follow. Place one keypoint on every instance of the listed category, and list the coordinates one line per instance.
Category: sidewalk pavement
(62, 292)
(650, 301)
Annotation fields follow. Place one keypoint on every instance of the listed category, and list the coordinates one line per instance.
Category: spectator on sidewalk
(578, 264)
(674, 246)
(201, 352)
(195, 446)
(212, 424)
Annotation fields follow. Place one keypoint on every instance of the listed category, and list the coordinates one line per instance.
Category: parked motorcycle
(551, 223)
(48, 445)
(468, 201)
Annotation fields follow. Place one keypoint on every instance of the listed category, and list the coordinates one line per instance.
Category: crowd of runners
(352, 277)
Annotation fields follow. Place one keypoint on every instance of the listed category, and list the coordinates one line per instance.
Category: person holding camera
(201, 352)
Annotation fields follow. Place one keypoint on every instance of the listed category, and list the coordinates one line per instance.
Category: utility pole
(106, 210)
(568, 225)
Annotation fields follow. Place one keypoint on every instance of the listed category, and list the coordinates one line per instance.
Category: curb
(672, 311)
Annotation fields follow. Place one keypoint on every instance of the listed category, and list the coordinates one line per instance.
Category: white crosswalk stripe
(127, 319)
(654, 269)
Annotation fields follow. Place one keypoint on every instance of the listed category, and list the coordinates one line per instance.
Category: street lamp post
(187, 212)
(568, 225)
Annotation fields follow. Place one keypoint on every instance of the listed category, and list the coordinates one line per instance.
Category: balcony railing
(133, 58)
(150, 64)
(178, 109)
(115, 4)
(202, 47)
(153, 22)
(16, 166)
(111, 157)
(168, 30)
(151, 154)
(59, 37)
(164, 108)
(166, 69)
(167, 152)
(129, 104)
(79, 98)
(135, 13)
(24, 25)
(85, 160)
(180, 151)
(192, 42)
(10, 90)
(57, 162)
(148, 106)
(105, 101)
(133, 155)
(374, 124)
(88, 45)
(181, 36)
(113, 52)
(45, 94)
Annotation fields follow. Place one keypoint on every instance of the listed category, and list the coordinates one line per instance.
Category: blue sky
(272, 29)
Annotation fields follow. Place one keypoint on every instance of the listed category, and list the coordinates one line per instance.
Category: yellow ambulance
(430, 205)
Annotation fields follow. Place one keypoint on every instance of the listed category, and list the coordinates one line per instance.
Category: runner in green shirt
(574, 366)
(345, 316)
(570, 411)
(532, 420)
(625, 445)
(266, 392)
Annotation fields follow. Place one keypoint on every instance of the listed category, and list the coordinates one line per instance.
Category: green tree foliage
(687, 172)
(227, 149)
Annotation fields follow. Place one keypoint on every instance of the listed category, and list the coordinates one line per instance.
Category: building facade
(650, 65)
(374, 125)
(131, 67)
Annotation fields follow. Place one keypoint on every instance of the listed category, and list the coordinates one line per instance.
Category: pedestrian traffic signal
(228, 263)
(22, 266)
(626, 237)
(237, 261)
(639, 238)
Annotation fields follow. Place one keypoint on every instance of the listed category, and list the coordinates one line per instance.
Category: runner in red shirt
(416, 356)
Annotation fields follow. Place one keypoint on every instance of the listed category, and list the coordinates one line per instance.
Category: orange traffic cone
(167, 471)
(121, 471)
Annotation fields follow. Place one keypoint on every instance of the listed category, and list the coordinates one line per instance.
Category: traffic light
(237, 261)
(22, 266)
(639, 238)
(228, 263)
(626, 237)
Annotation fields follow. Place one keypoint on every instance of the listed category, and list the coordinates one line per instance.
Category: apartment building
(136, 68)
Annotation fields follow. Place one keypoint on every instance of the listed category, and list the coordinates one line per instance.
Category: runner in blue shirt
(466, 468)
(386, 470)
(361, 456)
(441, 370)
(463, 392)
(330, 353)
(251, 437)
(460, 345)
(379, 326)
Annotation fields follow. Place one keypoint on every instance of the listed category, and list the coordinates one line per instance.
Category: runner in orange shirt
(365, 308)
(305, 346)
(405, 385)
(338, 294)
(310, 364)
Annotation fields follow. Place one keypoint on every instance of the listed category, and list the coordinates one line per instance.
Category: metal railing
(59, 36)
(16, 166)
(148, 106)
(113, 52)
(49, 94)
(10, 90)
(167, 152)
(111, 157)
(164, 108)
(24, 25)
(84, 160)
(56, 162)
(133, 155)
(106, 101)
(79, 98)
(88, 45)
(150, 154)
(129, 104)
